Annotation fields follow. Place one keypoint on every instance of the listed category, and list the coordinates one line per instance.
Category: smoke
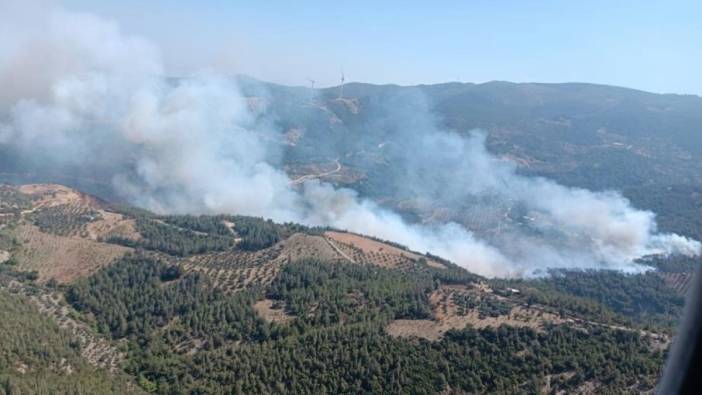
(80, 92)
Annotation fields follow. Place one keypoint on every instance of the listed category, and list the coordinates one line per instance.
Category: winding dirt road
(306, 177)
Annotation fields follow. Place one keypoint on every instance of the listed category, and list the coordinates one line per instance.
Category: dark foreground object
(683, 371)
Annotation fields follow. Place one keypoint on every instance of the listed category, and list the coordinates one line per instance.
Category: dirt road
(306, 177)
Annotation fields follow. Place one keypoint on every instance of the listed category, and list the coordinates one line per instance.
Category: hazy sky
(639, 44)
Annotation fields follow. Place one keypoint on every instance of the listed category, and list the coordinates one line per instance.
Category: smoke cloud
(79, 91)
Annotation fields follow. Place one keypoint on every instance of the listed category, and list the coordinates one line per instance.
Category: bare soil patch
(352, 104)
(4, 256)
(435, 264)
(71, 204)
(268, 310)
(112, 224)
(459, 306)
(425, 329)
(363, 250)
(368, 245)
(302, 246)
(231, 226)
(435, 329)
(62, 258)
(47, 195)
(449, 314)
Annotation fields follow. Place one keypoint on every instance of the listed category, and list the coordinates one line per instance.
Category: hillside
(583, 135)
(207, 304)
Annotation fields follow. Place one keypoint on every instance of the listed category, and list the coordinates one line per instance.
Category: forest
(169, 308)
(188, 235)
(184, 336)
(643, 298)
(47, 359)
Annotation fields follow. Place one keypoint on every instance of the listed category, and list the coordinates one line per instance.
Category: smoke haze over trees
(82, 93)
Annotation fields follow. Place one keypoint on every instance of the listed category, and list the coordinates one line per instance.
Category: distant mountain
(592, 136)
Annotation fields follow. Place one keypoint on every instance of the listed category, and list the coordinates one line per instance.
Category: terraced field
(233, 271)
(64, 212)
(680, 282)
(363, 250)
(69, 220)
(12, 201)
(62, 258)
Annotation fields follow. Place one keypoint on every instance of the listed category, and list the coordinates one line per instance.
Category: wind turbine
(341, 87)
(312, 93)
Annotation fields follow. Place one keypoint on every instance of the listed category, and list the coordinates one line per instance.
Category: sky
(653, 46)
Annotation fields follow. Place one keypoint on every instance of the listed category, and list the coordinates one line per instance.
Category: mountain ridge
(248, 78)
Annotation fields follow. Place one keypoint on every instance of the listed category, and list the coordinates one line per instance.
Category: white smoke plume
(77, 90)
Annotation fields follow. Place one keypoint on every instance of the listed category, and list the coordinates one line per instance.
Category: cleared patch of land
(269, 311)
(62, 258)
(12, 201)
(232, 271)
(460, 306)
(302, 246)
(434, 329)
(112, 224)
(235, 270)
(47, 195)
(363, 250)
(66, 212)
(477, 306)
